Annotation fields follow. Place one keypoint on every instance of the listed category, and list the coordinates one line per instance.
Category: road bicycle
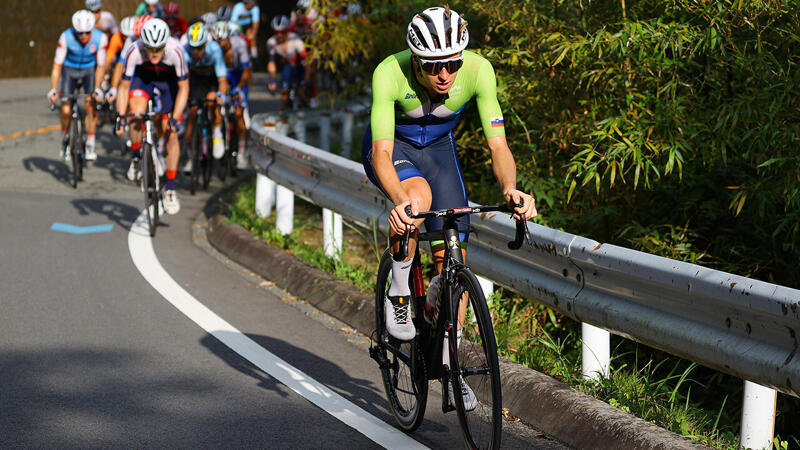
(202, 142)
(75, 144)
(230, 136)
(457, 326)
(150, 183)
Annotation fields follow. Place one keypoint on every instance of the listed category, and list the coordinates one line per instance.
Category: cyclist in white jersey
(156, 62)
(287, 49)
(104, 20)
(80, 57)
(240, 72)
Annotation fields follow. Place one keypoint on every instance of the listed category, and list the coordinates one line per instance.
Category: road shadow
(120, 213)
(57, 168)
(361, 392)
(94, 397)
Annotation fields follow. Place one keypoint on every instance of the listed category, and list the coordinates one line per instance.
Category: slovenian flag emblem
(497, 122)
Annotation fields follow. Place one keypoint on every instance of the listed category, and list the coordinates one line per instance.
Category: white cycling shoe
(217, 149)
(187, 168)
(133, 170)
(171, 203)
(241, 160)
(91, 155)
(470, 401)
(398, 317)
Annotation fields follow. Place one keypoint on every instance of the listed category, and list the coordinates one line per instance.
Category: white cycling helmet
(303, 4)
(197, 35)
(437, 32)
(209, 18)
(151, 2)
(353, 9)
(93, 5)
(127, 25)
(83, 20)
(155, 33)
(222, 30)
(280, 23)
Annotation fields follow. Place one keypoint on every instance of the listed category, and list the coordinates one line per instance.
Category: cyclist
(240, 72)
(177, 24)
(150, 8)
(248, 15)
(156, 61)
(289, 49)
(409, 151)
(80, 56)
(302, 18)
(117, 42)
(224, 13)
(119, 68)
(207, 81)
(103, 20)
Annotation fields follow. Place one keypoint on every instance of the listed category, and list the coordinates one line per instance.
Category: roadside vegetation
(666, 126)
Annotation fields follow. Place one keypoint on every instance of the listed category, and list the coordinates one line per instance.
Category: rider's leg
(417, 188)
(218, 147)
(66, 112)
(171, 203)
(91, 127)
(241, 135)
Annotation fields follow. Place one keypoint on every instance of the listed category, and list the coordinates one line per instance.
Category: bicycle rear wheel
(207, 160)
(222, 170)
(74, 149)
(476, 367)
(402, 365)
(196, 149)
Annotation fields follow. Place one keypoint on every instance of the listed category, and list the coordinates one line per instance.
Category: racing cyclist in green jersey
(409, 150)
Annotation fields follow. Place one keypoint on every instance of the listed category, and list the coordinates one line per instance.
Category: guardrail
(739, 326)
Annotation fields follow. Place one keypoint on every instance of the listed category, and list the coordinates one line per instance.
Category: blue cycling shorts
(234, 77)
(438, 164)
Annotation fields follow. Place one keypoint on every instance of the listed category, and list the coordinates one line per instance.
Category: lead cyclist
(409, 151)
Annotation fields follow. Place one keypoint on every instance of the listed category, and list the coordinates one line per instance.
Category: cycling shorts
(144, 86)
(234, 77)
(438, 164)
(69, 81)
(291, 76)
(201, 85)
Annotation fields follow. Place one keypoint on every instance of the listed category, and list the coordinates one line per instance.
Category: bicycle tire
(208, 158)
(405, 384)
(196, 149)
(155, 193)
(233, 143)
(74, 136)
(476, 360)
(147, 180)
(222, 170)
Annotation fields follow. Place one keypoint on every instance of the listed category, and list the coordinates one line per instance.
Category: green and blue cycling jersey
(402, 111)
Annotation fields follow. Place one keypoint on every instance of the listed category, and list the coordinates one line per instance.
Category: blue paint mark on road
(74, 229)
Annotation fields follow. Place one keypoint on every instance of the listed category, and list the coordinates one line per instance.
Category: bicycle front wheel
(196, 149)
(476, 374)
(148, 186)
(74, 149)
(402, 365)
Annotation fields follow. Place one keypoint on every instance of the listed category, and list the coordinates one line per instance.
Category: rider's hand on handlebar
(119, 126)
(52, 95)
(399, 220)
(272, 86)
(98, 95)
(111, 95)
(220, 98)
(527, 210)
(176, 126)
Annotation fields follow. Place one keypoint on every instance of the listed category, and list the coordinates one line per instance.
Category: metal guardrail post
(299, 127)
(758, 416)
(596, 351)
(265, 190)
(284, 198)
(487, 286)
(331, 222)
(347, 133)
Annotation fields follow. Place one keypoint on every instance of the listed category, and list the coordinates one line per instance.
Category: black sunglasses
(83, 33)
(435, 66)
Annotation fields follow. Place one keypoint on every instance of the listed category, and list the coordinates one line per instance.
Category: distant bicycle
(455, 341)
(150, 183)
(201, 143)
(73, 148)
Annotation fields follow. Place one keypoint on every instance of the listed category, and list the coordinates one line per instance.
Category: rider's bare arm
(55, 76)
(181, 98)
(122, 96)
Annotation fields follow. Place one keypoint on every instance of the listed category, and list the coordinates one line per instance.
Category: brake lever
(403, 253)
(521, 233)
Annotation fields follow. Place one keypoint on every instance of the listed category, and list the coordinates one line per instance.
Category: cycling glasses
(434, 66)
(154, 49)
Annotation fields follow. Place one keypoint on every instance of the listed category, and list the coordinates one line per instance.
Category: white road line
(144, 257)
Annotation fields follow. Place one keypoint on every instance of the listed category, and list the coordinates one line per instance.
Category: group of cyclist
(155, 53)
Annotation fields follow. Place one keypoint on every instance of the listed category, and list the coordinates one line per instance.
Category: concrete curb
(554, 408)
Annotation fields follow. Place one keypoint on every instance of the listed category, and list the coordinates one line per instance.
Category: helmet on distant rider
(280, 23)
(94, 5)
(127, 26)
(171, 9)
(197, 35)
(140, 21)
(83, 21)
(222, 30)
(224, 13)
(151, 2)
(209, 18)
(303, 5)
(155, 33)
(437, 32)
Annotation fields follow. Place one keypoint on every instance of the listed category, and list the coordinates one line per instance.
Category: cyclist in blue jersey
(207, 81)
(409, 149)
(80, 57)
(240, 72)
(248, 16)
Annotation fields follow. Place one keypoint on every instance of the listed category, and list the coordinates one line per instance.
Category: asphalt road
(92, 354)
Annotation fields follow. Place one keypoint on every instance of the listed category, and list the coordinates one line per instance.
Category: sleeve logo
(497, 122)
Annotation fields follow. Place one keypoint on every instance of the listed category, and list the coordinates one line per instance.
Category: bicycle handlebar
(520, 234)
